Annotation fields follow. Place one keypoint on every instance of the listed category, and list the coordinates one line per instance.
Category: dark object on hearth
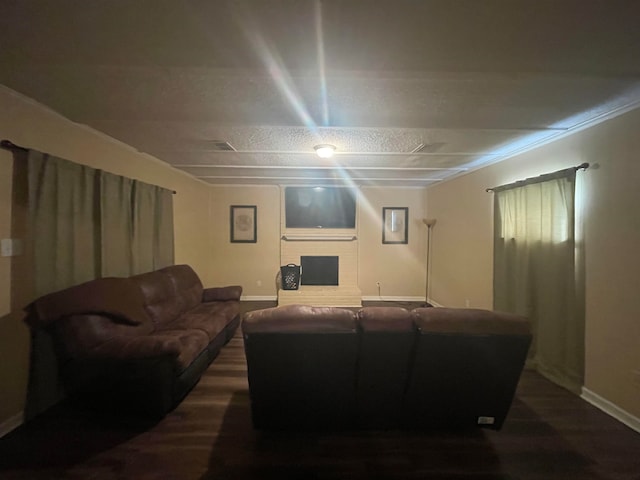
(290, 276)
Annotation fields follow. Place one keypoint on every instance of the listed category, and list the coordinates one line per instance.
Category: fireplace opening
(319, 270)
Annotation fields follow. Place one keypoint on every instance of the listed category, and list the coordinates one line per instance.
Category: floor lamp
(429, 222)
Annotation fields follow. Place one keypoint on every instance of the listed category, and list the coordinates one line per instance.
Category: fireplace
(319, 270)
(329, 263)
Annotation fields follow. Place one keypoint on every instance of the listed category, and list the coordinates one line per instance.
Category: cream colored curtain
(537, 271)
(86, 224)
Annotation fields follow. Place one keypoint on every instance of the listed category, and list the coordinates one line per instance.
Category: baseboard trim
(366, 298)
(11, 423)
(375, 298)
(259, 298)
(435, 304)
(611, 409)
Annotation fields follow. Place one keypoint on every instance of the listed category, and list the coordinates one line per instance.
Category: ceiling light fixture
(325, 150)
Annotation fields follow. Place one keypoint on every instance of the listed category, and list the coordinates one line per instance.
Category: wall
(400, 269)
(609, 199)
(252, 265)
(29, 124)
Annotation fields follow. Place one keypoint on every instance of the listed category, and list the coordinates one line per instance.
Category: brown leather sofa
(137, 344)
(382, 367)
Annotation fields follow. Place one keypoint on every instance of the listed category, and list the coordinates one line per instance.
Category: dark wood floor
(549, 434)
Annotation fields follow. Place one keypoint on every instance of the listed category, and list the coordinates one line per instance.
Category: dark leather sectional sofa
(137, 344)
(382, 367)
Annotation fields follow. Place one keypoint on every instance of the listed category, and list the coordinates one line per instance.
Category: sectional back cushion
(386, 349)
(466, 367)
(302, 366)
(299, 319)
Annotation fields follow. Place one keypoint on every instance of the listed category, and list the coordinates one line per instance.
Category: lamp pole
(429, 222)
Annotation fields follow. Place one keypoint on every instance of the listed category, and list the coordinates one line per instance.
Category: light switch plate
(10, 247)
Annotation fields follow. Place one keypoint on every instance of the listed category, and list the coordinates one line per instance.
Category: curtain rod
(539, 178)
(9, 145)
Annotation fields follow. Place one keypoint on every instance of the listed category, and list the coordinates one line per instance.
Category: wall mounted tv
(320, 207)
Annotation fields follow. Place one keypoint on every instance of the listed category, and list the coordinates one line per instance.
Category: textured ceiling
(470, 80)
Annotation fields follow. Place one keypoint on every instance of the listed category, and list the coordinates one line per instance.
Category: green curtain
(116, 225)
(136, 226)
(152, 223)
(62, 231)
(85, 223)
(61, 222)
(537, 271)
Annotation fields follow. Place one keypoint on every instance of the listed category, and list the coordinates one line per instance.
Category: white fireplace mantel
(319, 238)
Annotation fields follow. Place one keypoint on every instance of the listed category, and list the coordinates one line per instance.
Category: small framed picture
(244, 227)
(395, 224)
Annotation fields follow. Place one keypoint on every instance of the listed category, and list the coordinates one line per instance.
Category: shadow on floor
(66, 435)
(527, 447)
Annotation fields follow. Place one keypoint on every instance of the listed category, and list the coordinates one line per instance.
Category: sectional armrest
(219, 294)
(129, 348)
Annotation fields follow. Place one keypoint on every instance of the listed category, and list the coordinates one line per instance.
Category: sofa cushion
(471, 321)
(76, 335)
(454, 390)
(299, 319)
(385, 319)
(159, 297)
(228, 309)
(217, 294)
(302, 365)
(204, 317)
(186, 284)
(192, 343)
(133, 348)
(118, 298)
(387, 337)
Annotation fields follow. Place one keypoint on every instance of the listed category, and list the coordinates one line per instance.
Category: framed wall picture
(244, 226)
(395, 224)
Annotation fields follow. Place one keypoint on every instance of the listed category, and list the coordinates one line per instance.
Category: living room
(461, 259)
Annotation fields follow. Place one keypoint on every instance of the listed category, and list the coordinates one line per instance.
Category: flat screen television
(320, 207)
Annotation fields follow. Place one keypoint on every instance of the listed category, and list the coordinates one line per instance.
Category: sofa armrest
(130, 348)
(219, 294)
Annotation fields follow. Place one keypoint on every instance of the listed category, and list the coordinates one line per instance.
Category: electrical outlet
(259, 283)
(466, 302)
